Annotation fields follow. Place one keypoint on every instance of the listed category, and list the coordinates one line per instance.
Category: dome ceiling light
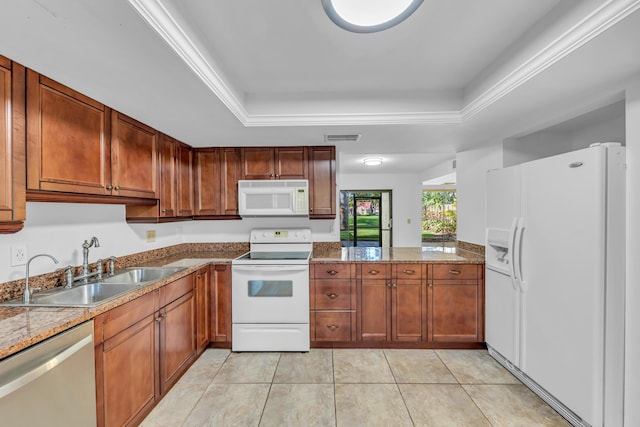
(372, 161)
(369, 16)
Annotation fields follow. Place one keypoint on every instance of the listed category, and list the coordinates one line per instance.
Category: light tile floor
(350, 388)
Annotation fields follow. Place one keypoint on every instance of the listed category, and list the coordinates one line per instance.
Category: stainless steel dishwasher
(51, 383)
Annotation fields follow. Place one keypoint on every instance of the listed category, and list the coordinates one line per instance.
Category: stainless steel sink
(139, 275)
(88, 295)
(93, 294)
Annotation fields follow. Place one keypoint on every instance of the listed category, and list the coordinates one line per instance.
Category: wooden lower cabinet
(332, 299)
(141, 349)
(456, 303)
(220, 300)
(203, 309)
(412, 305)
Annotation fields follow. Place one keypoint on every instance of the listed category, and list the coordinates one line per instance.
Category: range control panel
(280, 235)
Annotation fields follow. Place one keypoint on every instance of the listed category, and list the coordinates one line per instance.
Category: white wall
(406, 195)
(632, 324)
(472, 167)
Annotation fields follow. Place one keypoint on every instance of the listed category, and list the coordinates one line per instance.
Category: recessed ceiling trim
(159, 18)
(603, 18)
(436, 117)
(590, 27)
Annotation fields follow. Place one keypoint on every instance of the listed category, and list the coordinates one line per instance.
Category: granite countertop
(399, 255)
(21, 327)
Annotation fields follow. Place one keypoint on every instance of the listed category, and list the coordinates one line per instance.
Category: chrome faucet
(85, 255)
(27, 291)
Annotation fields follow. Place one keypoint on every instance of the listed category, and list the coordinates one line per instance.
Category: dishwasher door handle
(49, 363)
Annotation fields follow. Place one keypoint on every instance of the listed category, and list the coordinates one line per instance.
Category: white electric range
(270, 292)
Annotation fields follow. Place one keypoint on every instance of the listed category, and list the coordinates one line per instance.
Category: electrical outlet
(151, 236)
(18, 255)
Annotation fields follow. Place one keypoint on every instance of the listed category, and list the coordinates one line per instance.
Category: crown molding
(163, 23)
(590, 27)
(345, 119)
(603, 18)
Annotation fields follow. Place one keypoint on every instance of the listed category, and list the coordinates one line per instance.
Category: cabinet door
(230, 169)
(185, 180)
(12, 146)
(177, 340)
(409, 306)
(374, 314)
(207, 181)
(290, 162)
(456, 305)
(129, 363)
(220, 283)
(322, 182)
(134, 158)
(257, 163)
(203, 309)
(68, 141)
(167, 176)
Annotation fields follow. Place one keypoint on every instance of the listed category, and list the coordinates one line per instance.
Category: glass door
(365, 218)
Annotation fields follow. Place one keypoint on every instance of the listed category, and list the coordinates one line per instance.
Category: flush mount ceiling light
(369, 16)
(372, 161)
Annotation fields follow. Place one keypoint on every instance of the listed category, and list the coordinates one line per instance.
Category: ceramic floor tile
(475, 367)
(248, 368)
(370, 405)
(361, 366)
(441, 405)
(229, 405)
(513, 405)
(418, 366)
(205, 368)
(305, 368)
(309, 405)
(174, 408)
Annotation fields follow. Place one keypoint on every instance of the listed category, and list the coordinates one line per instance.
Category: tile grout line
(207, 387)
(335, 401)
(404, 402)
(270, 386)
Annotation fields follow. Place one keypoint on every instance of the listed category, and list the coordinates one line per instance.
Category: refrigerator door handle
(517, 266)
(512, 256)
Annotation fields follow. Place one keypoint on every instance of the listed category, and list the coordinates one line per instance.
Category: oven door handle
(254, 268)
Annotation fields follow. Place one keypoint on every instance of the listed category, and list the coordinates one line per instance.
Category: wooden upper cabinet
(134, 158)
(207, 182)
(12, 146)
(168, 198)
(322, 182)
(185, 180)
(230, 173)
(68, 139)
(274, 162)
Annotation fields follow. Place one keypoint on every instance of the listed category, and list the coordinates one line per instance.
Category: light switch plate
(18, 255)
(151, 236)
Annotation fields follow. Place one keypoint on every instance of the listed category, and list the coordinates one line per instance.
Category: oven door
(270, 293)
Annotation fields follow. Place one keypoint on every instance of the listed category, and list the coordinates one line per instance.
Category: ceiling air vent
(342, 138)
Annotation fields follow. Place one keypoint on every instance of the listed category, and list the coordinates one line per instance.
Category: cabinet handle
(332, 272)
(431, 285)
(109, 187)
(310, 209)
(277, 176)
(409, 271)
(373, 272)
(456, 272)
(199, 276)
(333, 327)
(333, 296)
(389, 285)
(162, 316)
(164, 211)
(117, 188)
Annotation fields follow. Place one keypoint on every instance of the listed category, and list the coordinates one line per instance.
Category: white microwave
(273, 197)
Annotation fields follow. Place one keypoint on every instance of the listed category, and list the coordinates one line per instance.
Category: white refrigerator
(555, 259)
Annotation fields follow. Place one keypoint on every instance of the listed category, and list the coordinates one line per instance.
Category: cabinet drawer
(176, 289)
(333, 326)
(121, 317)
(409, 271)
(333, 271)
(333, 295)
(455, 272)
(374, 270)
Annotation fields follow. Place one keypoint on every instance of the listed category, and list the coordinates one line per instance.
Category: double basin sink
(100, 291)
